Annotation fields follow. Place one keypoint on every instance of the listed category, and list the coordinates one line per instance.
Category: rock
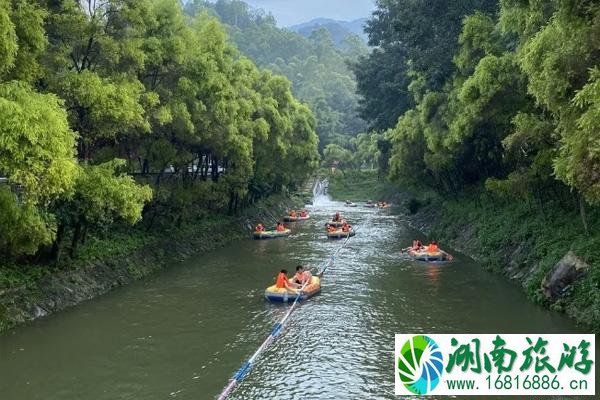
(568, 270)
(39, 312)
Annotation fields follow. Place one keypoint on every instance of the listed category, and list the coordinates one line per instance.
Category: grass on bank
(118, 242)
(359, 185)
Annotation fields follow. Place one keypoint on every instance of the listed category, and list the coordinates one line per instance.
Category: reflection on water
(182, 333)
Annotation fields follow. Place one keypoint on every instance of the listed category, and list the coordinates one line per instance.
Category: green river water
(182, 333)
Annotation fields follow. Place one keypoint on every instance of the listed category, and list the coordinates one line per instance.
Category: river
(183, 332)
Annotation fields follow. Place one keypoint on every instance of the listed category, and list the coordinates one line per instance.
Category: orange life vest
(432, 248)
(281, 281)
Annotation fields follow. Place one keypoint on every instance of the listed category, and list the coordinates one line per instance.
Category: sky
(292, 12)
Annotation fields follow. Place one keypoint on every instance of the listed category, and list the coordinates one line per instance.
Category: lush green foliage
(93, 94)
(315, 65)
(37, 145)
(359, 185)
(509, 98)
(412, 39)
(363, 151)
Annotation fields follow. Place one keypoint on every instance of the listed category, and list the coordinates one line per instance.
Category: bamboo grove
(110, 109)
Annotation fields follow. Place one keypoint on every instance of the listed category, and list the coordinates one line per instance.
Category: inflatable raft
(382, 206)
(425, 256)
(367, 205)
(295, 219)
(339, 234)
(272, 293)
(271, 234)
(350, 204)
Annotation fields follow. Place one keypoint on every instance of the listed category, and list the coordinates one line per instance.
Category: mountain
(339, 30)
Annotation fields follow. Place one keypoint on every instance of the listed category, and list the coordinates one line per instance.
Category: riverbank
(359, 186)
(542, 248)
(102, 264)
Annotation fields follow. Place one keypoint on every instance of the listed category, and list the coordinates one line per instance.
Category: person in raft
(346, 227)
(416, 246)
(293, 214)
(331, 229)
(303, 214)
(302, 276)
(282, 281)
(433, 247)
(260, 228)
(280, 227)
(337, 217)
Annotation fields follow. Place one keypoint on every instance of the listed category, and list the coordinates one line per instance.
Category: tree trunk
(583, 214)
(76, 238)
(84, 235)
(215, 169)
(55, 252)
(205, 167)
(231, 202)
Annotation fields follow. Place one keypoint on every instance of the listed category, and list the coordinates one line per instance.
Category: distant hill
(339, 30)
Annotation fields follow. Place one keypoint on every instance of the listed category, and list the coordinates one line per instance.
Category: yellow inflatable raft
(273, 293)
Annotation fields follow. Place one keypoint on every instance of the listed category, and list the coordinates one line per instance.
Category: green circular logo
(420, 364)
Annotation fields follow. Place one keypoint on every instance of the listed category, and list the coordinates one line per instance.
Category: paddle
(271, 215)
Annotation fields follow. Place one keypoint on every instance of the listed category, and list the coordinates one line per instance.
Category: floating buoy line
(275, 332)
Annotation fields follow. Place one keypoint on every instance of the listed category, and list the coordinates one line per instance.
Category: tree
(23, 227)
(37, 155)
(316, 68)
(22, 39)
(101, 197)
(337, 155)
(578, 162)
(411, 39)
(36, 145)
